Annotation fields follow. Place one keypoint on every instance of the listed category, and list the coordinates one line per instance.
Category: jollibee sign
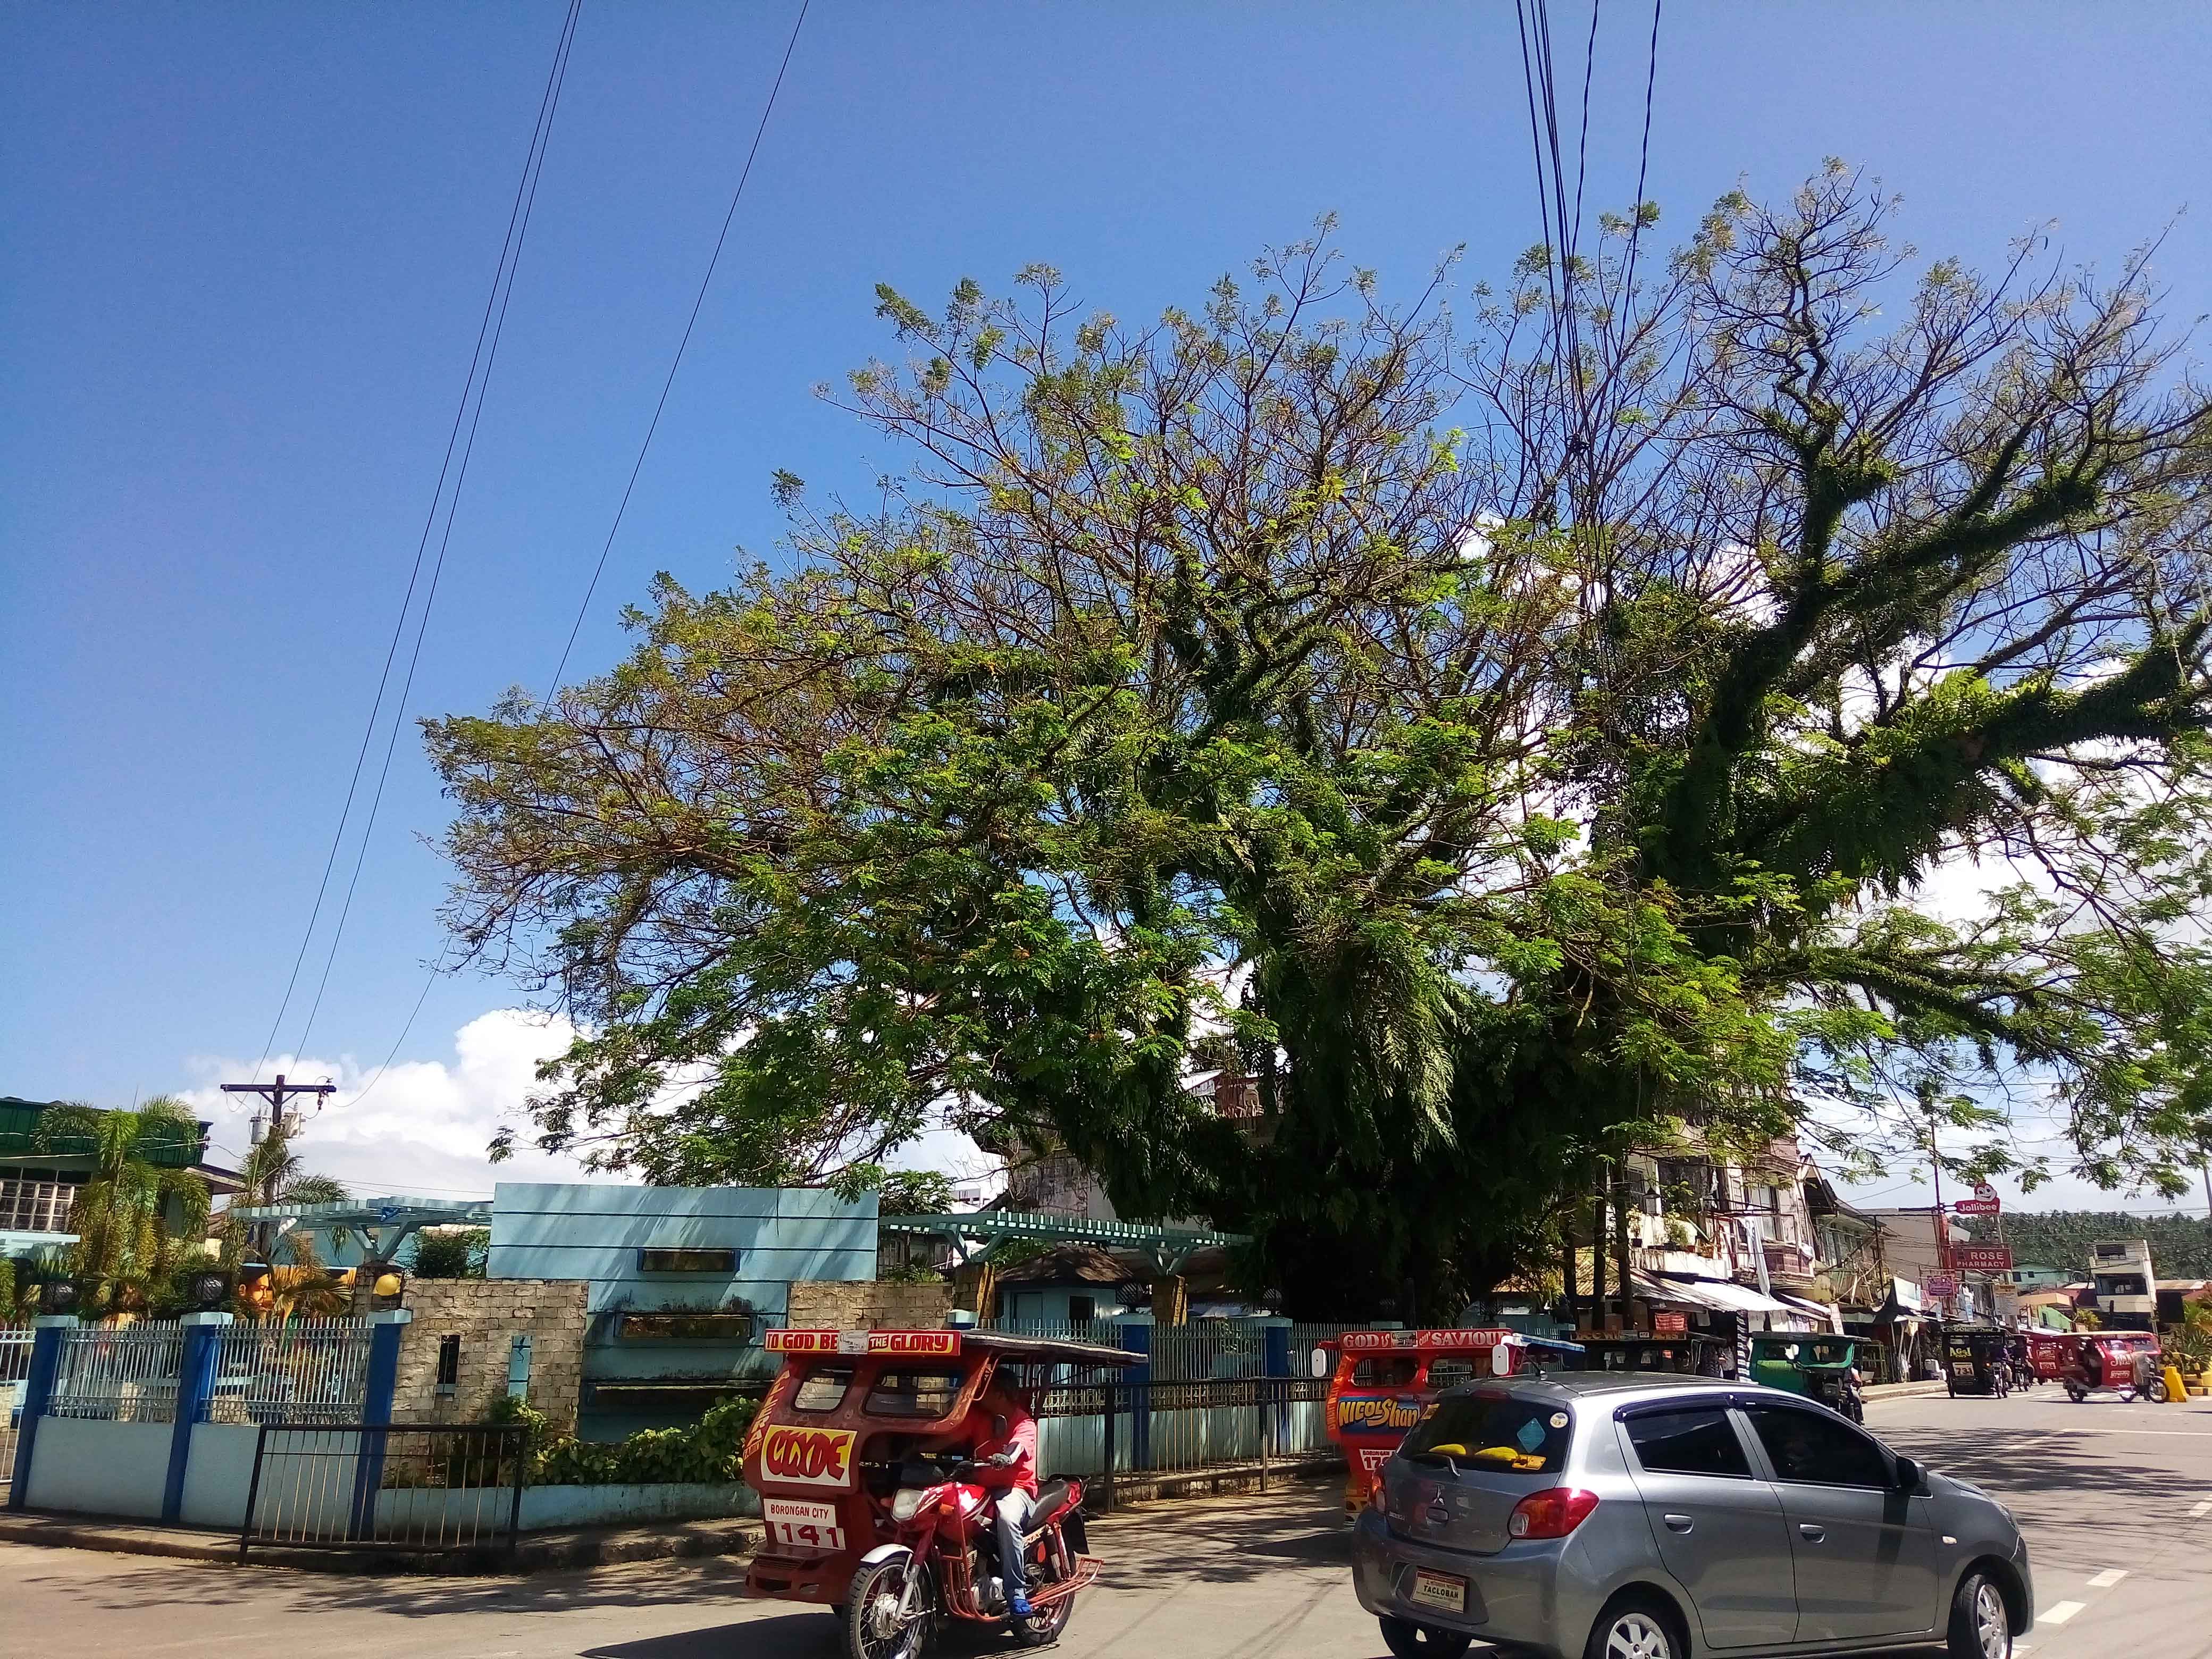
(807, 1457)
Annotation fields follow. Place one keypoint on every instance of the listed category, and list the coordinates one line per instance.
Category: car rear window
(1493, 1431)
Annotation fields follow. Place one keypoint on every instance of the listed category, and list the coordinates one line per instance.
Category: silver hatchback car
(1637, 1516)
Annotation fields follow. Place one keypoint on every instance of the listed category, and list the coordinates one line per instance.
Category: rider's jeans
(1013, 1508)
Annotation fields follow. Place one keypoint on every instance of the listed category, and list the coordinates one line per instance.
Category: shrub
(459, 1253)
(708, 1451)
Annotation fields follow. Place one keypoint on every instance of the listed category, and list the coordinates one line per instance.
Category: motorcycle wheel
(871, 1627)
(2157, 1392)
(1039, 1629)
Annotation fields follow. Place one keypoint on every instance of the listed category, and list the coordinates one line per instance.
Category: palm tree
(274, 1174)
(123, 1215)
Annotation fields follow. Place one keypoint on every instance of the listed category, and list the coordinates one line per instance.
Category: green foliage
(458, 1253)
(1510, 765)
(135, 1220)
(708, 1451)
(916, 1192)
(7, 1289)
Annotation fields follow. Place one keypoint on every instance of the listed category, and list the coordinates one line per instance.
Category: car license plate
(1443, 1590)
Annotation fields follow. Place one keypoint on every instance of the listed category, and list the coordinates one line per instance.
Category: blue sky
(246, 248)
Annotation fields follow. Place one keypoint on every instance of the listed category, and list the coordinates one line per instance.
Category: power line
(1644, 154)
(437, 569)
(623, 508)
(510, 250)
(592, 586)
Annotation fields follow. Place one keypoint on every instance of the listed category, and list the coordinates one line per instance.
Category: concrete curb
(1880, 1391)
(544, 1552)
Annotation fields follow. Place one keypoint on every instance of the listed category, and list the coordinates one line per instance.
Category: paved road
(2102, 1490)
(2116, 1501)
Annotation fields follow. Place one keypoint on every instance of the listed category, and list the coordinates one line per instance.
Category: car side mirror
(1911, 1477)
(997, 1428)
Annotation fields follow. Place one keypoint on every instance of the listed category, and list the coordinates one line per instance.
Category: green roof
(19, 1144)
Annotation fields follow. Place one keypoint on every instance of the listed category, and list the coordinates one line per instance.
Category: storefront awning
(1715, 1293)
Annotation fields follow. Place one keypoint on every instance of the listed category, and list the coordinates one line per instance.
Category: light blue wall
(594, 1233)
(96, 1468)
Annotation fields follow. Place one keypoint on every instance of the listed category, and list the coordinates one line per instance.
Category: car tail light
(1552, 1513)
(1378, 1494)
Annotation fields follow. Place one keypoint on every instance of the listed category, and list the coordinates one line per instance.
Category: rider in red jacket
(1003, 1440)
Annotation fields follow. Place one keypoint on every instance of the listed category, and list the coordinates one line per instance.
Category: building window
(687, 1261)
(1081, 1309)
(449, 1363)
(36, 1206)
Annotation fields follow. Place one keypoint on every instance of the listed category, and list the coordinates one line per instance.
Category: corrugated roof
(19, 1127)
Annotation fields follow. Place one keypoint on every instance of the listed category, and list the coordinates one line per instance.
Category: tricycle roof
(948, 1344)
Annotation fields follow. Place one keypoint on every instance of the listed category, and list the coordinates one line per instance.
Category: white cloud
(423, 1126)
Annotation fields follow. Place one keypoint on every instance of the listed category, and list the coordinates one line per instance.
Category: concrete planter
(479, 1509)
(547, 1507)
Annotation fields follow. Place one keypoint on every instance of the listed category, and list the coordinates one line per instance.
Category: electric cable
(437, 568)
(622, 507)
(509, 250)
(653, 426)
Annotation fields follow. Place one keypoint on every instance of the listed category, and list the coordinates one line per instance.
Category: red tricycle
(1385, 1382)
(870, 1505)
(2123, 1362)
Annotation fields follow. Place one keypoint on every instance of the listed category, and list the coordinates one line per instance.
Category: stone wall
(822, 1304)
(486, 1314)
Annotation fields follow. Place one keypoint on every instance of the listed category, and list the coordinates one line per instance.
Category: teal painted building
(683, 1282)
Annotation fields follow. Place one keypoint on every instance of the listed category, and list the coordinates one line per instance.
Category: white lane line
(2106, 1579)
(2197, 1511)
(2060, 1614)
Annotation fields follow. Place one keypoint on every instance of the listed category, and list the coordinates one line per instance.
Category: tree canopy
(1516, 730)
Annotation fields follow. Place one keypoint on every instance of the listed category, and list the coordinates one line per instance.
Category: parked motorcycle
(942, 1563)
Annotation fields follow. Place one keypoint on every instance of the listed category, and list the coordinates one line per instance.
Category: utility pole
(281, 1128)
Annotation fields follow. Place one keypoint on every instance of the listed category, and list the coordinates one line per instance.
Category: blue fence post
(1275, 1362)
(194, 1387)
(49, 1331)
(1135, 1333)
(386, 1331)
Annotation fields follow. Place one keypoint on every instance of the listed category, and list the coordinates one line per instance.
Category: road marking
(2198, 1511)
(2106, 1579)
(2061, 1613)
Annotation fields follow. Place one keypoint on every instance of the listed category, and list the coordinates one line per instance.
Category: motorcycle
(942, 1563)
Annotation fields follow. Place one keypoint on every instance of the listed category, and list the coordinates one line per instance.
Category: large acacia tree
(1519, 733)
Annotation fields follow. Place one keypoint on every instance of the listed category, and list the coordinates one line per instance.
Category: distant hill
(2180, 1245)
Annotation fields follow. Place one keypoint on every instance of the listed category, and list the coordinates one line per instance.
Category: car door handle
(1678, 1522)
(1811, 1533)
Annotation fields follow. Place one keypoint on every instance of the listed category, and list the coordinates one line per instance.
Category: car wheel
(1981, 1623)
(1636, 1628)
(1411, 1641)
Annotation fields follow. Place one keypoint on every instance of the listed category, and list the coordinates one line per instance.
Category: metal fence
(120, 1373)
(15, 1368)
(423, 1488)
(1202, 1406)
(302, 1370)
